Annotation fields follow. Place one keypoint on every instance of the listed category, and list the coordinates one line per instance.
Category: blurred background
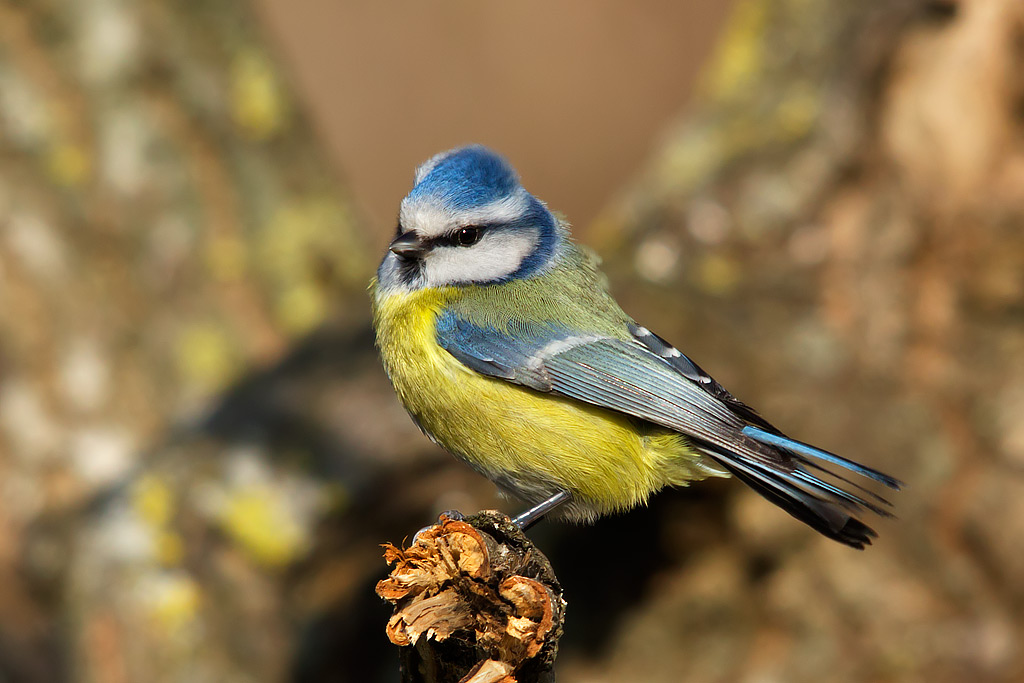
(822, 203)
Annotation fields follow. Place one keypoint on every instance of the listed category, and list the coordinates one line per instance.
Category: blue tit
(504, 345)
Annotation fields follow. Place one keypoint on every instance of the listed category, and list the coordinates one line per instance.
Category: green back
(573, 293)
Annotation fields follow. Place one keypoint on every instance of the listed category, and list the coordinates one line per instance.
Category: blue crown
(465, 178)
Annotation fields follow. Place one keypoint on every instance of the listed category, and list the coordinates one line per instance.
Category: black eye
(467, 237)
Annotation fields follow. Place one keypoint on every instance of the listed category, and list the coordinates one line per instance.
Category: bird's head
(468, 221)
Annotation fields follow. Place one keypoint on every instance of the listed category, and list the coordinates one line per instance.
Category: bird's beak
(408, 246)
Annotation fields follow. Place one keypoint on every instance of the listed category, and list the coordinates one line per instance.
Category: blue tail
(779, 468)
(809, 454)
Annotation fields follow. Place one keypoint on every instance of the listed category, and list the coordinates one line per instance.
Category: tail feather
(863, 489)
(814, 482)
(774, 466)
(806, 451)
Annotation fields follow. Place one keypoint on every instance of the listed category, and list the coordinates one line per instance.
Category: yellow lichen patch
(689, 162)
(173, 601)
(170, 548)
(206, 357)
(737, 58)
(798, 111)
(301, 307)
(261, 522)
(258, 105)
(299, 232)
(67, 164)
(304, 249)
(154, 501)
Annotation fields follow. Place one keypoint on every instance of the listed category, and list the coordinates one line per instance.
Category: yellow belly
(530, 443)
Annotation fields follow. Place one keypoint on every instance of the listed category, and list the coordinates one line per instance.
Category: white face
(499, 252)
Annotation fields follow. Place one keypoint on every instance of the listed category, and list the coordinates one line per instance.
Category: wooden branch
(475, 602)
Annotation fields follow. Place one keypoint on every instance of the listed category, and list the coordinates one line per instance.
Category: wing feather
(640, 375)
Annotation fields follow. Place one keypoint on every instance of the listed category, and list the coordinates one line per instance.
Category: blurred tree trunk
(836, 232)
(167, 223)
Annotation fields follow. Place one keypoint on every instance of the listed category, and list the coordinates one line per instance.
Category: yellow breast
(528, 442)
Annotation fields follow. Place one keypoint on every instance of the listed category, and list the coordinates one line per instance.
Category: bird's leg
(527, 519)
(523, 520)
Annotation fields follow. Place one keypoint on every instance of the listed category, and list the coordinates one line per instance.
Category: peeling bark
(475, 602)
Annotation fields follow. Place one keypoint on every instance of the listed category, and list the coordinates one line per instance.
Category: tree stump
(475, 602)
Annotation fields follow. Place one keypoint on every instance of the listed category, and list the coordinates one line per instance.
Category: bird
(503, 343)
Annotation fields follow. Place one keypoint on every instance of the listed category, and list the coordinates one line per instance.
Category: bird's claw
(453, 515)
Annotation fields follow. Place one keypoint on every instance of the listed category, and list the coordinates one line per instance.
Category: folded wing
(640, 375)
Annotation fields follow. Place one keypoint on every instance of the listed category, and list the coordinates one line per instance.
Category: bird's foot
(454, 515)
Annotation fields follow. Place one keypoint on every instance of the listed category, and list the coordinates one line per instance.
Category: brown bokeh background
(199, 454)
(576, 94)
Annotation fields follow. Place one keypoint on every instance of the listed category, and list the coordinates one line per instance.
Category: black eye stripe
(465, 236)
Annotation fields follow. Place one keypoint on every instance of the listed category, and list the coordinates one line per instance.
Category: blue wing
(611, 373)
(645, 377)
